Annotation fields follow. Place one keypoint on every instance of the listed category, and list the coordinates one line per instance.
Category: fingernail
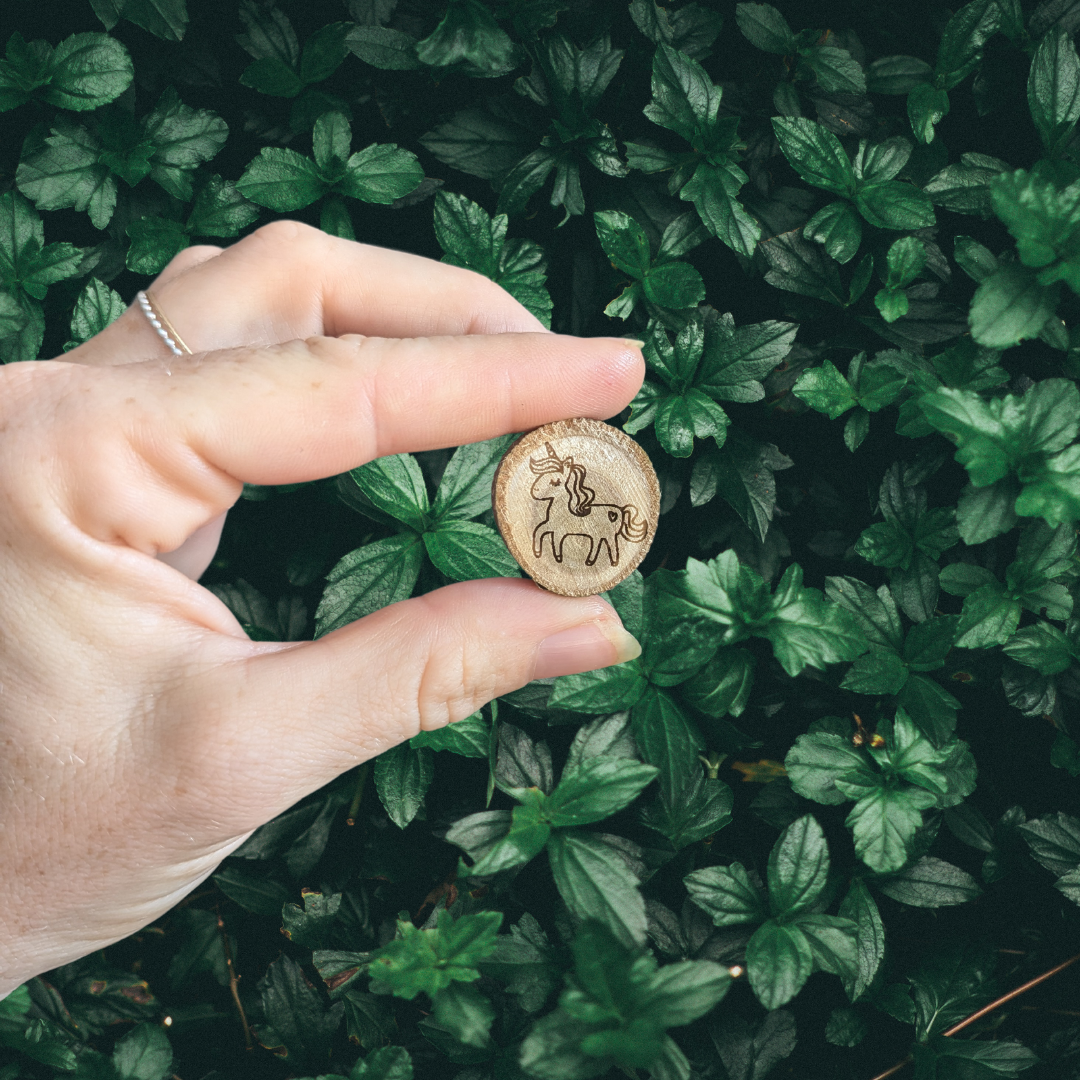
(584, 648)
(634, 341)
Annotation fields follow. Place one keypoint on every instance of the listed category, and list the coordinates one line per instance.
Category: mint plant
(828, 821)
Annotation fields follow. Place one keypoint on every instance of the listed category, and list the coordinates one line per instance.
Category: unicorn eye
(555, 483)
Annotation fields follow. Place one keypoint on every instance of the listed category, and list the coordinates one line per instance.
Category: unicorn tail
(633, 529)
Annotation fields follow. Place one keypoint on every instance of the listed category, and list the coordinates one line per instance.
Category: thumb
(305, 712)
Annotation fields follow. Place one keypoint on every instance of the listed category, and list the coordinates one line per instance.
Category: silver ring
(162, 326)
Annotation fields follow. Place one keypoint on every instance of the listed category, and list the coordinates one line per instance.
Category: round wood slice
(577, 503)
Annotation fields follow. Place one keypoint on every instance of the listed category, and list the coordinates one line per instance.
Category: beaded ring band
(161, 324)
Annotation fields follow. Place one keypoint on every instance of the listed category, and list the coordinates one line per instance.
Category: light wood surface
(577, 503)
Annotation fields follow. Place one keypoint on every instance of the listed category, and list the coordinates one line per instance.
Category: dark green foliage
(841, 777)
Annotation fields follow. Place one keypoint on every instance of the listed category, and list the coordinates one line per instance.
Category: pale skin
(135, 714)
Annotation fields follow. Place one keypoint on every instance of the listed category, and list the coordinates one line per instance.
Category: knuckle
(457, 674)
(283, 232)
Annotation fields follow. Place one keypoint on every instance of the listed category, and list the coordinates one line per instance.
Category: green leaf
(1000, 1057)
(272, 76)
(143, 1054)
(816, 154)
(1042, 647)
(1053, 88)
(396, 486)
(154, 242)
(468, 737)
(87, 71)
(299, 1024)
(806, 630)
(402, 777)
(985, 512)
(816, 762)
(427, 961)
(778, 961)
(202, 950)
(964, 186)
(675, 285)
(385, 1063)
(468, 34)
(762, 25)
(667, 739)
(261, 895)
(965, 34)
(879, 671)
(897, 74)
(282, 180)
(884, 822)
(860, 907)
(323, 52)
(367, 579)
(1054, 842)
(837, 226)
(932, 708)
(712, 191)
(1053, 491)
(461, 1014)
(832, 942)
(609, 738)
(825, 390)
(220, 210)
(930, 883)
(798, 266)
(166, 19)
(798, 867)
(96, 308)
(927, 106)
(65, 171)
(684, 98)
(836, 70)
(380, 173)
(597, 789)
(875, 612)
(182, 139)
(526, 838)
(723, 685)
(466, 550)
(895, 205)
(311, 925)
(595, 883)
(606, 690)
(699, 809)
(383, 47)
(752, 1053)
(1010, 306)
(989, 618)
(727, 894)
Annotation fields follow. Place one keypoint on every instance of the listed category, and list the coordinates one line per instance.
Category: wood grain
(577, 503)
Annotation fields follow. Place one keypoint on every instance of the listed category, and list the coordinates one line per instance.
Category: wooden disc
(577, 503)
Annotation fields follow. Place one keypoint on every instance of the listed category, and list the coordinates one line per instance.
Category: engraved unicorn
(601, 523)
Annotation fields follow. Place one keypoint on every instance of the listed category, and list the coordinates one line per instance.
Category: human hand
(134, 712)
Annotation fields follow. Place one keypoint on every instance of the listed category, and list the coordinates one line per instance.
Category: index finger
(289, 281)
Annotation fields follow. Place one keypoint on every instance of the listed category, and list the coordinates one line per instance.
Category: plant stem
(987, 1009)
(358, 795)
(233, 980)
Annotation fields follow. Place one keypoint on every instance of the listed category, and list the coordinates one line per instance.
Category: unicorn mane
(580, 497)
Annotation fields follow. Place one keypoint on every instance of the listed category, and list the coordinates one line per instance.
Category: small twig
(987, 1009)
(895, 1069)
(233, 980)
(358, 795)
(1010, 995)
